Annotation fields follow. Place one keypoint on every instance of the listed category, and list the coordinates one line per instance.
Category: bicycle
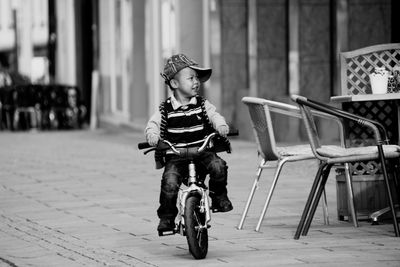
(194, 212)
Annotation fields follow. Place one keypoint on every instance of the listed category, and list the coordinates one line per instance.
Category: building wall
(315, 33)
(242, 67)
(272, 49)
(7, 33)
(153, 55)
(273, 56)
(369, 23)
(234, 60)
(190, 29)
(116, 60)
(315, 54)
(139, 88)
(315, 49)
(65, 52)
(246, 42)
(105, 59)
(23, 27)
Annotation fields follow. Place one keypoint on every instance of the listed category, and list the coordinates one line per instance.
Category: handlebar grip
(144, 145)
(233, 132)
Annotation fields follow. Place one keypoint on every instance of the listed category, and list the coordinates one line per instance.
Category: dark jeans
(176, 169)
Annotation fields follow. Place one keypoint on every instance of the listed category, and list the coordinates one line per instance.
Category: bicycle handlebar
(144, 145)
(165, 144)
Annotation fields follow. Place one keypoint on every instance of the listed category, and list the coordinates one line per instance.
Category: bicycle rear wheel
(195, 228)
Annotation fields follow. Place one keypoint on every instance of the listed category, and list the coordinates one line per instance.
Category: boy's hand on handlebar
(153, 139)
(223, 130)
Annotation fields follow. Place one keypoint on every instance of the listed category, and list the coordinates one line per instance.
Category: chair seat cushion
(338, 151)
(295, 150)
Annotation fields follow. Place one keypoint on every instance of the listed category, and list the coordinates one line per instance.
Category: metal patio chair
(27, 99)
(355, 68)
(260, 112)
(332, 155)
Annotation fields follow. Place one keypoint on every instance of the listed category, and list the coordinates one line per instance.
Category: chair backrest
(356, 65)
(6, 95)
(310, 125)
(260, 113)
(59, 96)
(308, 107)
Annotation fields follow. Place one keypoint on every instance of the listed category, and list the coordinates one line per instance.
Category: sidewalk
(89, 199)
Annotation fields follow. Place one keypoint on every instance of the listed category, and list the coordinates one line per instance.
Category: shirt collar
(176, 104)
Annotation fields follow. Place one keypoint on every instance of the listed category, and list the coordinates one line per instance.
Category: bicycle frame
(183, 194)
(194, 209)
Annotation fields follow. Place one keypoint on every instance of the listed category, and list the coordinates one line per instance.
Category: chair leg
(350, 194)
(325, 208)
(16, 119)
(309, 200)
(320, 190)
(388, 190)
(252, 191)
(38, 118)
(9, 125)
(1, 116)
(396, 171)
(271, 191)
(30, 119)
(375, 216)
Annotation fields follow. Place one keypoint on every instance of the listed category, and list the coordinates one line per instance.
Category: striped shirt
(185, 123)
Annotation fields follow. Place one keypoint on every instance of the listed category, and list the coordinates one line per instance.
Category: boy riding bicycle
(183, 118)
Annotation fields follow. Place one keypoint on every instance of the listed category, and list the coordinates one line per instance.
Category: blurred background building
(114, 50)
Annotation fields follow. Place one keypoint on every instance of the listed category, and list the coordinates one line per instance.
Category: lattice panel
(368, 167)
(384, 112)
(359, 67)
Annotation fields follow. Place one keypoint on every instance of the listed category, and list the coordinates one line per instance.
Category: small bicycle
(193, 201)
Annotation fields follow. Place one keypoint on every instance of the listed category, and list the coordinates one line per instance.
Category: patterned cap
(178, 62)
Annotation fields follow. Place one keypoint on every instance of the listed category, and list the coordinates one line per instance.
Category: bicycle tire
(197, 237)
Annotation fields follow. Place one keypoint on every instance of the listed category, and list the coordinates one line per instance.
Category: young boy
(186, 117)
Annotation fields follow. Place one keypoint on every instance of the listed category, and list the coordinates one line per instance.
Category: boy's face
(186, 83)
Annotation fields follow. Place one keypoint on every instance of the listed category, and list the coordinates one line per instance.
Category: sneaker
(166, 224)
(221, 204)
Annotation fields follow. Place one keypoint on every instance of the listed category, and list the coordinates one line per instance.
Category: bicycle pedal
(214, 210)
(168, 232)
(220, 209)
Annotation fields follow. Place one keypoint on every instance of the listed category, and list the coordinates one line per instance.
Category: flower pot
(379, 82)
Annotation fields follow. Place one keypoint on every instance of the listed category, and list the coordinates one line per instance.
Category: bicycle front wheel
(196, 228)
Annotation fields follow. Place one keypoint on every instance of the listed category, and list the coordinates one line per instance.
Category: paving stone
(89, 198)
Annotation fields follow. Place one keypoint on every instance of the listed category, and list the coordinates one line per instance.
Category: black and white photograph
(166, 133)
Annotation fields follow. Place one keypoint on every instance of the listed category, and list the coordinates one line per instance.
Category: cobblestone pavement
(89, 199)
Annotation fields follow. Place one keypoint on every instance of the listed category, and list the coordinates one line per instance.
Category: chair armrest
(294, 111)
(377, 124)
(283, 108)
(340, 114)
